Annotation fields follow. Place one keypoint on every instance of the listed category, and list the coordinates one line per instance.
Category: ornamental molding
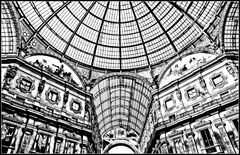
(80, 106)
(73, 136)
(44, 128)
(202, 123)
(186, 92)
(217, 125)
(53, 90)
(170, 97)
(12, 118)
(18, 81)
(176, 133)
(186, 53)
(222, 84)
(123, 74)
(232, 112)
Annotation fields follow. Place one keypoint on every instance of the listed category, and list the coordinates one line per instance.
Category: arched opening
(121, 146)
(121, 149)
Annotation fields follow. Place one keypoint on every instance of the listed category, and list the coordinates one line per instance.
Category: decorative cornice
(45, 128)
(73, 136)
(14, 118)
(130, 75)
(219, 124)
(175, 133)
(232, 112)
(202, 123)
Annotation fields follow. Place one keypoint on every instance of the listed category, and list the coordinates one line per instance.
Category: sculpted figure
(10, 74)
(41, 85)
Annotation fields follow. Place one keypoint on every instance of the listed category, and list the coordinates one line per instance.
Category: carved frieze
(169, 100)
(218, 80)
(191, 92)
(202, 123)
(25, 84)
(76, 106)
(52, 96)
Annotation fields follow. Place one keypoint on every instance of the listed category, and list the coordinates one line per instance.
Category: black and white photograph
(119, 77)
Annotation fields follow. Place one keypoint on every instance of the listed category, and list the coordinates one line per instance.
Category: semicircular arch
(121, 142)
(10, 31)
(180, 66)
(59, 61)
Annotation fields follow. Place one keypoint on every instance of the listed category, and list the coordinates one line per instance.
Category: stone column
(192, 144)
(183, 144)
(51, 146)
(202, 146)
(35, 143)
(215, 142)
(172, 143)
(18, 138)
(63, 145)
(31, 140)
(13, 140)
(227, 142)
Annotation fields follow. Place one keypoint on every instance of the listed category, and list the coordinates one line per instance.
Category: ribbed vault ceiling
(117, 35)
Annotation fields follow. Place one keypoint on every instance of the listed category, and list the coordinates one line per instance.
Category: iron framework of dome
(116, 35)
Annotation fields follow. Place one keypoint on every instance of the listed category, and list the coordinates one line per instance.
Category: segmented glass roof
(117, 35)
(231, 28)
(8, 30)
(121, 100)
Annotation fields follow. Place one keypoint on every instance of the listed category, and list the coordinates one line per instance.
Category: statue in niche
(41, 86)
(179, 94)
(65, 99)
(10, 74)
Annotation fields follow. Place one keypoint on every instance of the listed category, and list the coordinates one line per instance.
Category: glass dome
(117, 35)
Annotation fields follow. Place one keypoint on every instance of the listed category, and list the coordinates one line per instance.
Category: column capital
(217, 125)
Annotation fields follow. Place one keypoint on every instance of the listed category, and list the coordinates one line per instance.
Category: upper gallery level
(190, 87)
